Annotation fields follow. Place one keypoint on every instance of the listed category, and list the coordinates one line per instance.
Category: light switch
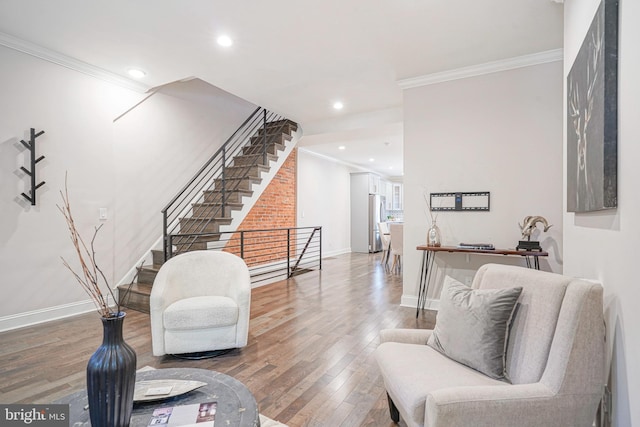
(103, 214)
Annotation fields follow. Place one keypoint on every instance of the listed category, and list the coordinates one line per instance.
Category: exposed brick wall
(276, 208)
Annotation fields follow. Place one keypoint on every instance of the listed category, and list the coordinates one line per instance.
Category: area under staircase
(226, 184)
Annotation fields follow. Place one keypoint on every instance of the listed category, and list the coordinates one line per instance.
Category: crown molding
(482, 69)
(69, 62)
(342, 162)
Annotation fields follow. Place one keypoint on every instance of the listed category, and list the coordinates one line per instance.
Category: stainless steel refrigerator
(376, 215)
(367, 210)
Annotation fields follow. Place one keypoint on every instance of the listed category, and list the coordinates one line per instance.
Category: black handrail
(204, 201)
(269, 253)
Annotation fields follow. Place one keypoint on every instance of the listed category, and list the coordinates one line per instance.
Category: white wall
(499, 132)
(132, 168)
(323, 199)
(76, 112)
(602, 245)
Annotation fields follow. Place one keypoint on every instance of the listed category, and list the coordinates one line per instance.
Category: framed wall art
(592, 116)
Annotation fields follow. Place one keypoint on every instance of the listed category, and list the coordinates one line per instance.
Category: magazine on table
(195, 415)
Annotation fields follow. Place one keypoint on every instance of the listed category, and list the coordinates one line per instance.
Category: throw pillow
(472, 326)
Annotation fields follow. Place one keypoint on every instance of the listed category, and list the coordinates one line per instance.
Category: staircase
(225, 192)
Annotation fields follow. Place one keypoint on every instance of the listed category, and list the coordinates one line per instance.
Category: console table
(236, 404)
(429, 254)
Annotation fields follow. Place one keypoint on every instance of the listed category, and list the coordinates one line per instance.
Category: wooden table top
(480, 251)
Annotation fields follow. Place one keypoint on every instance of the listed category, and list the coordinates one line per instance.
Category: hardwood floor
(309, 361)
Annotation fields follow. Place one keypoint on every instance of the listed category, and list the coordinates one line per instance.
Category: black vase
(111, 377)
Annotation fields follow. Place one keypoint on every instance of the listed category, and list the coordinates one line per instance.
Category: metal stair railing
(273, 253)
(258, 131)
(294, 269)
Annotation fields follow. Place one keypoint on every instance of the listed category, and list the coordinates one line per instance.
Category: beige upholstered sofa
(554, 359)
(200, 302)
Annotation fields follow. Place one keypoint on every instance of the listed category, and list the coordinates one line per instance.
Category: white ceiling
(296, 57)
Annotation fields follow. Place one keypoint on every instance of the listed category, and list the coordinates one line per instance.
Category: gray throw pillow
(473, 325)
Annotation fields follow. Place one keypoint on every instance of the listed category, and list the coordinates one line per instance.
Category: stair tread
(233, 190)
(239, 178)
(274, 156)
(272, 138)
(206, 218)
(257, 148)
(275, 130)
(136, 287)
(263, 167)
(220, 220)
(211, 204)
(209, 237)
(259, 140)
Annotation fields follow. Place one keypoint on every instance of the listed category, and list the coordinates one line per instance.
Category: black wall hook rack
(31, 146)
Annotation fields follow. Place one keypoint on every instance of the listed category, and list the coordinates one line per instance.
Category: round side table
(236, 404)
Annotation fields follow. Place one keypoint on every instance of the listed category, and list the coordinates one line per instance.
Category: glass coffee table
(236, 406)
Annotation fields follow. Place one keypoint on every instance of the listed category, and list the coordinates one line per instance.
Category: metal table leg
(425, 276)
(431, 256)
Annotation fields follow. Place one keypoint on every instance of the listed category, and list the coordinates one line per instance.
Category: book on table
(482, 246)
(194, 415)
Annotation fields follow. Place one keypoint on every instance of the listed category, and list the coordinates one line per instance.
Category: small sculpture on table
(527, 227)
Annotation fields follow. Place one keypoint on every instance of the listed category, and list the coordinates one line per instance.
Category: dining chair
(396, 234)
(385, 238)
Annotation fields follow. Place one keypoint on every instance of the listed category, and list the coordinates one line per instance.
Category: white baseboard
(35, 317)
(412, 301)
(337, 252)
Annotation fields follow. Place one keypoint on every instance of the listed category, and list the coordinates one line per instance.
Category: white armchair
(200, 302)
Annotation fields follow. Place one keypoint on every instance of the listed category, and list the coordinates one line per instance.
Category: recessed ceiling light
(342, 147)
(390, 167)
(135, 73)
(372, 160)
(338, 105)
(224, 41)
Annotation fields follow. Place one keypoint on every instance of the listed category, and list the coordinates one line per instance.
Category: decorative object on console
(433, 234)
(31, 146)
(527, 227)
(111, 369)
(592, 116)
